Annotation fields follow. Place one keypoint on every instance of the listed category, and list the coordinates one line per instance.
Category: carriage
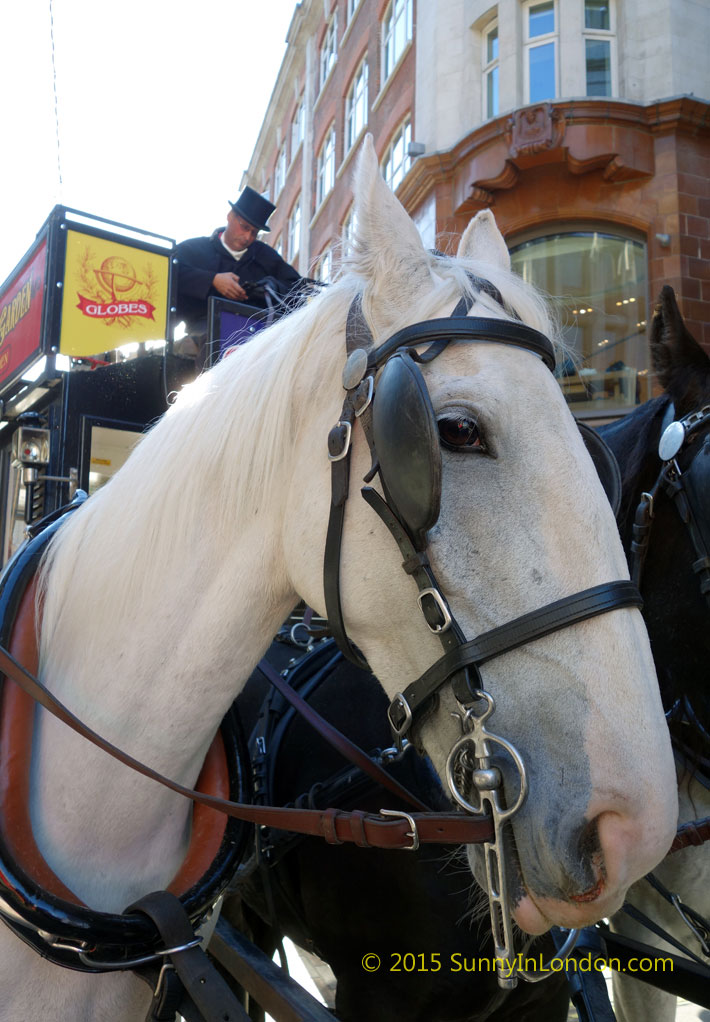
(208, 535)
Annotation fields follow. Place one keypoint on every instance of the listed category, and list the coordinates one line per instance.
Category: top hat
(254, 208)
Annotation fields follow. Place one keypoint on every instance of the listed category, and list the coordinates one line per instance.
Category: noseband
(387, 394)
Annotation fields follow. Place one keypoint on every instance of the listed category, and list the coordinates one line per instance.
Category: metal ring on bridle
(468, 739)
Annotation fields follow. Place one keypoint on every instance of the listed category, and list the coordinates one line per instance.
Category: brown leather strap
(372, 830)
(352, 752)
(695, 833)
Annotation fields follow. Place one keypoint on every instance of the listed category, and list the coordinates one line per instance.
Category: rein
(335, 826)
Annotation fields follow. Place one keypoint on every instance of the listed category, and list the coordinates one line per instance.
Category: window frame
(352, 132)
(403, 130)
(328, 52)
(280, 168)
(325, 166)
(298, 126)
(601, 35)
(490, 68)
(294, 230)
(395, 11)
(531, 43)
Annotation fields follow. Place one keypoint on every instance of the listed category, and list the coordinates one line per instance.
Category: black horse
(665, 526)
(415, 910)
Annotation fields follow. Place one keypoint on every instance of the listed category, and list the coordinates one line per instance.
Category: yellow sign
(114, 294)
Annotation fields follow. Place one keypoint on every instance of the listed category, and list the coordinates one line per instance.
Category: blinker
(406, 438)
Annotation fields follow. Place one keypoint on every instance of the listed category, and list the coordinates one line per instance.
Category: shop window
(490, 71)
(396, 34)
(603, 278)
(540, 51)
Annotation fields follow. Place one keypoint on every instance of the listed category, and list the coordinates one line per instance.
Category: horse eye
(460, 434)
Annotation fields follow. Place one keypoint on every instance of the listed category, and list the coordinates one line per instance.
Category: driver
(229, 263)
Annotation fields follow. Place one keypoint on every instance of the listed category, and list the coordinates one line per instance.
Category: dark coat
(199, 259)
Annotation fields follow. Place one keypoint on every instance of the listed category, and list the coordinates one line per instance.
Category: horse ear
(387, 251)
(681, 365)
(482, 240)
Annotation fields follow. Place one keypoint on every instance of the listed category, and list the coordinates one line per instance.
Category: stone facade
(636, 160)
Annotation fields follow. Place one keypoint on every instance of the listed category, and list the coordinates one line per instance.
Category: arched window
(603, 278)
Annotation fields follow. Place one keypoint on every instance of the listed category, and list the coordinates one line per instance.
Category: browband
(466, 328)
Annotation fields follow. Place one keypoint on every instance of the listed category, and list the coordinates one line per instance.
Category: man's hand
(228, 285)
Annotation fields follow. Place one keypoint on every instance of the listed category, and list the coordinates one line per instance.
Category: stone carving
(534, 129)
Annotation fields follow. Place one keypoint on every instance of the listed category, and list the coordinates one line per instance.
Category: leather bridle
(367, 374)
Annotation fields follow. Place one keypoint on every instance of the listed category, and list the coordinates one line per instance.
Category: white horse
(163, 591)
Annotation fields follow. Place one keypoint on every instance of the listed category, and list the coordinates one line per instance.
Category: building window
(490, 71)
(603, 278)
(356, 107)
(540, 51)
(280, 172)
(294, 231)
(298, 126)
(349, 231)
(397, 160)
(328, 49)
(325, 170)
(598, 41)
(396, 33)
(351, 8)
(324, 267)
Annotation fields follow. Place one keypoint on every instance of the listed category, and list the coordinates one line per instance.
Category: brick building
(583, 124)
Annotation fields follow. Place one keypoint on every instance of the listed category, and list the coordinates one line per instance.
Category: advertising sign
(21, 315)
(114, 294)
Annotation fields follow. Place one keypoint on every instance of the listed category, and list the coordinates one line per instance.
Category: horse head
(522, 521)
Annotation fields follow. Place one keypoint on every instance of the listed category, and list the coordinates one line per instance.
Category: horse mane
(202, 472)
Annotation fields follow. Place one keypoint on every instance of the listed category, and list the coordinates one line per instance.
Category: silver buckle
(441, 604)
(368, 399)
(346, 445)
(413, 833)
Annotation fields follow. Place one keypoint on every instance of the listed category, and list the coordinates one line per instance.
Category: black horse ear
(681, 365)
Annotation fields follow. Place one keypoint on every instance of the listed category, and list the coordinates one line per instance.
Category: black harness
(399, 423)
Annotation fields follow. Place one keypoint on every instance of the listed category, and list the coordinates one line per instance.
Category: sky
(158, 107)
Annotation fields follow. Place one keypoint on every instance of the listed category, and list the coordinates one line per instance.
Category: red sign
(21, 314)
